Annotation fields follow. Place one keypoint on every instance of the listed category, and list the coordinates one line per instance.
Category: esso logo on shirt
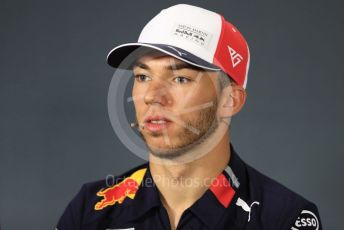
(306, 221)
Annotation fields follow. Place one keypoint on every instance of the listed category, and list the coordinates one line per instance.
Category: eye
(141, 78)
(181, 80)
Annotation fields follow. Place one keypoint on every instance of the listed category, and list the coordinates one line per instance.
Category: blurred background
(55, 132)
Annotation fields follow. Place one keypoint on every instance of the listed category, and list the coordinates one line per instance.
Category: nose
(157, 93)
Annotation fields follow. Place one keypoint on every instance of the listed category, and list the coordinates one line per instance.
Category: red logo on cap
(232, 54)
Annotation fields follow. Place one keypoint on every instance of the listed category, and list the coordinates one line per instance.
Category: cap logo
(192, 34)
(235, 56)
(179, 52)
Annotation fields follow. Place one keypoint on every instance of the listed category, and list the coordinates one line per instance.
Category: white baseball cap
(194, 35)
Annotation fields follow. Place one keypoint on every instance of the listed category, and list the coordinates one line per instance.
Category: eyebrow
(176, 66)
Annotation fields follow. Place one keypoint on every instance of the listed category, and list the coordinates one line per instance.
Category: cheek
(136, 90)
(138, 99)
(201, 95)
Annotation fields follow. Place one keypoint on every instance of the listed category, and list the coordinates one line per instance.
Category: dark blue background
(54, 128)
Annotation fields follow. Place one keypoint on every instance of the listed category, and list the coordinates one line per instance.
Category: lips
(157, 118)
(156, 123)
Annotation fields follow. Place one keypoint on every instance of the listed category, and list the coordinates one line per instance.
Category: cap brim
(119, 53)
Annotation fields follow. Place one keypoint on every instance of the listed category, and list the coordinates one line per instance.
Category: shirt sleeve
(71, 218)
(307, 219)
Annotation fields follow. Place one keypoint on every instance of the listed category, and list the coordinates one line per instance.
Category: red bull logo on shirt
(117, 193)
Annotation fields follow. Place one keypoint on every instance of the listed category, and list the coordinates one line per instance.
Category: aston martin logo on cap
(192, 34)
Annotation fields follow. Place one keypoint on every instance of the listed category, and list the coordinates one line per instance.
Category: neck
(183, 182)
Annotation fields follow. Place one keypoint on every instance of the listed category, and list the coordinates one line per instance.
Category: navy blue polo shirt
(239, 198)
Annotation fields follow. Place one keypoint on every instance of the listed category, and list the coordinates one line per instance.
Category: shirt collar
(221, 196)
(217, 200)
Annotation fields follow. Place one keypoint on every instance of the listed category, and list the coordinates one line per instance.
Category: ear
(232, 99)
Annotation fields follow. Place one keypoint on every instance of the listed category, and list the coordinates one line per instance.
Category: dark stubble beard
(206, 123)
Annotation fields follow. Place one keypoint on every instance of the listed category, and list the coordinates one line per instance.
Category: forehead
(156, 59)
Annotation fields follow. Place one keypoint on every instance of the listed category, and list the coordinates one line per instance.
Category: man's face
(175, 104)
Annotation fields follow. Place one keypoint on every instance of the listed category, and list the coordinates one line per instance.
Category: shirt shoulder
(281, 208)
(96, 200)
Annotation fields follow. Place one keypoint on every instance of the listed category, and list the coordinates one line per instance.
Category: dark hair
(224, 80)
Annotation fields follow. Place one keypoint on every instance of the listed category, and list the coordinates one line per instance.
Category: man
(190, 72)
